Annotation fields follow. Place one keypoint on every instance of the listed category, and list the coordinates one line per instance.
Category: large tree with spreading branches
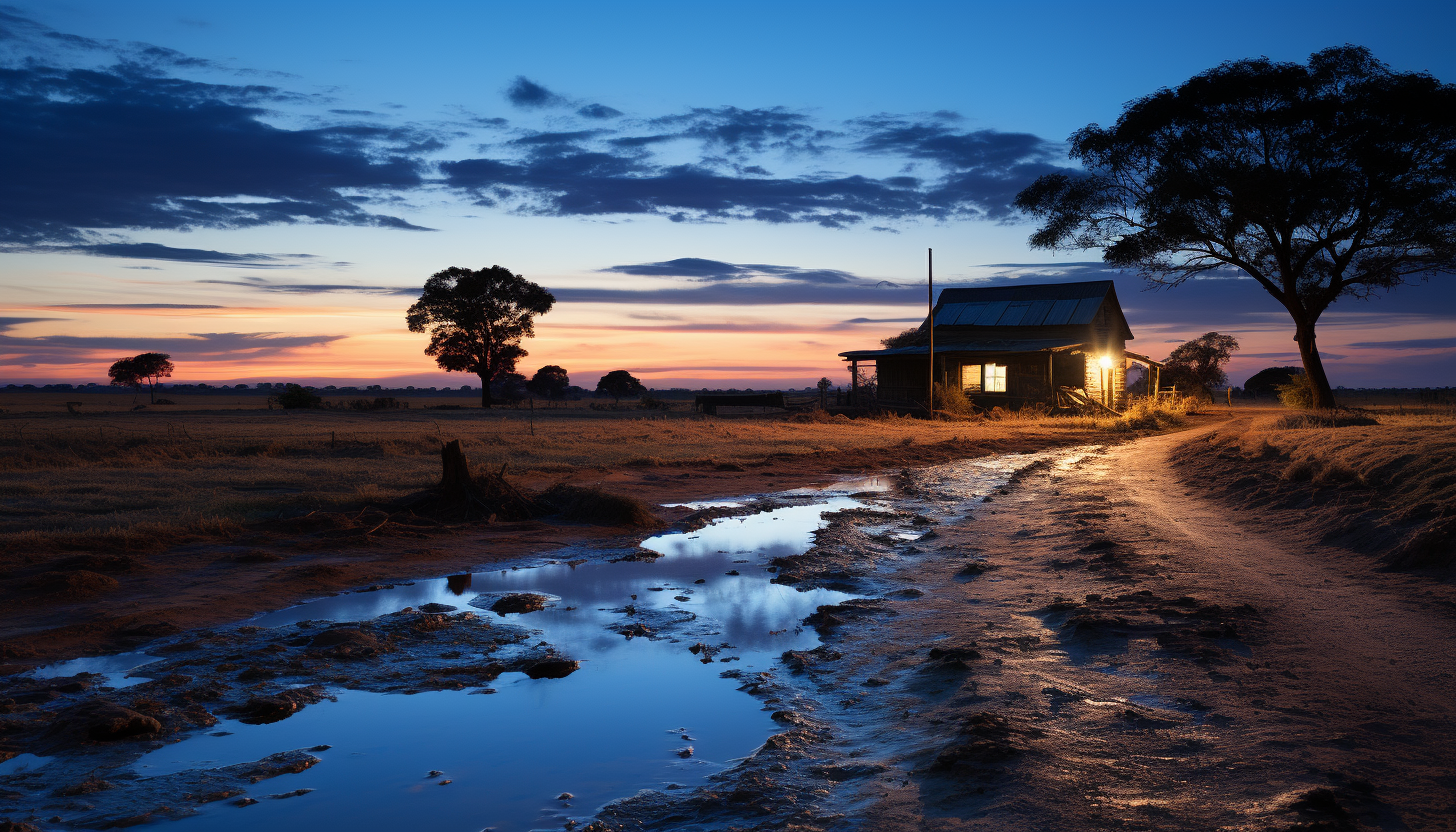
(149, 368)
(1320, 181)
(477, 319)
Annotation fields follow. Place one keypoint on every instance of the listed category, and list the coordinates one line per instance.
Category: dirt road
(1101, 647)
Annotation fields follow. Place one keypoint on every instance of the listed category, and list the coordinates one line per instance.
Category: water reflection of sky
(601, 733)
(604, 732)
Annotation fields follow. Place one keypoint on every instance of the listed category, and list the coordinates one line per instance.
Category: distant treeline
(273, 389)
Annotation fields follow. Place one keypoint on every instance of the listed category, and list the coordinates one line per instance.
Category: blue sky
(718, 194)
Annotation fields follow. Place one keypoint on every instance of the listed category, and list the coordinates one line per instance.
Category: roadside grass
(1381, 480)
(149, 479)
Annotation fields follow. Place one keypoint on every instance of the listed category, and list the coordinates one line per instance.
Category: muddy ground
(62, 605)
(1098, 645)
(1103, 648)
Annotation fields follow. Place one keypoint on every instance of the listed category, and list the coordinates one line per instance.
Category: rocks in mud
(828, 616)
(521, 602)
(842, 551)
(260, 710)
(705, 652)
(1178, 624)
(656, 622)
(347, 643)
(552, 668)
(953, 658)
(986, 740)
(801, 660)
(100, 720)
(437, 608)
(637, 556)
(974, 569)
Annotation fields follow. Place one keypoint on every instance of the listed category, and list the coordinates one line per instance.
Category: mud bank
(1093, 648)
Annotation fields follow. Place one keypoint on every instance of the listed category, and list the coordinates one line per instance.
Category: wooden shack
(1062, 344)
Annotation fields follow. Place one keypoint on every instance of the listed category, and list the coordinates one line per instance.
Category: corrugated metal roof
(1032, 304)
(982, 345)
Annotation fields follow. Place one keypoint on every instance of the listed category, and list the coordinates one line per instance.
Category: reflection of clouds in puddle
(114, 668)
(596, 733)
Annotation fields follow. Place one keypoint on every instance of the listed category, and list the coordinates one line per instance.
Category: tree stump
(455, 480)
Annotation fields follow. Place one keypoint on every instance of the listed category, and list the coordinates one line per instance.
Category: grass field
(154, 477)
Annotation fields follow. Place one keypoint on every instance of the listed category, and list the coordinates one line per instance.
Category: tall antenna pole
(930, 304)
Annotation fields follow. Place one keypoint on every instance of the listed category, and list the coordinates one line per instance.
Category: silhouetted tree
(913, 337)
(477, 319)
(550, 382)
(1199, 363)
(296, 396)
(620, 384)
(509, 388)
(149, 368)
(1321, 181)
(1267, 381)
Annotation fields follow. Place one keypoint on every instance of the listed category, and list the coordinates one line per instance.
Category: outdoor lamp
(1106, 362)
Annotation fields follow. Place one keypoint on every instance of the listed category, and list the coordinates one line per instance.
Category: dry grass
(1382, 481)
(149, 479)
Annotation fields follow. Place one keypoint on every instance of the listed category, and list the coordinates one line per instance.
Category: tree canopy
(550, 382)
(1319, 181)
(477, 319)
(620, 384)
(1200, 362)
(149, 368)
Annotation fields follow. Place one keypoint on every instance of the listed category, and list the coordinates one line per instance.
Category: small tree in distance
(1199, 363)
(477, 319)
(620, 384)
(550, 382)
(149, 368)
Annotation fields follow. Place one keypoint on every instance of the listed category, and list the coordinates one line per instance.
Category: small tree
(913, 337)
(477, 319)
(298, 397)
(550, 382)
(1199, 363)
(1267, 381)
(619, 384)
(149, 368)
(509, 388)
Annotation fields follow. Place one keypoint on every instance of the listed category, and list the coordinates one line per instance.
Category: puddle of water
(600, 733)
(114, 668)
(699, 505)
(22, 762)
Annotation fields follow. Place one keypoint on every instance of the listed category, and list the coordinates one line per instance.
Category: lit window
(993, 378)
(971, 378)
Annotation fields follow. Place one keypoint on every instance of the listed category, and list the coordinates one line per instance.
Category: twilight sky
(723, 195)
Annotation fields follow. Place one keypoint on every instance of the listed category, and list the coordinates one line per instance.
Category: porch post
(853, 382)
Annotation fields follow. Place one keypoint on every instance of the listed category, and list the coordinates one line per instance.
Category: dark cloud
(598, 111)
(983, 168)
(198, 347)
(698, 269)
(529, 95)
(737, 131)
(1411, 344)
(130, 146)
(10, 323)
(262, 285)
(155, 251)
(106, 306)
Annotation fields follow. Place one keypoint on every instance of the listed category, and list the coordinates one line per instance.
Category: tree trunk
(151, 392)
(455, 470)
(1314, 368)
(485, 401)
